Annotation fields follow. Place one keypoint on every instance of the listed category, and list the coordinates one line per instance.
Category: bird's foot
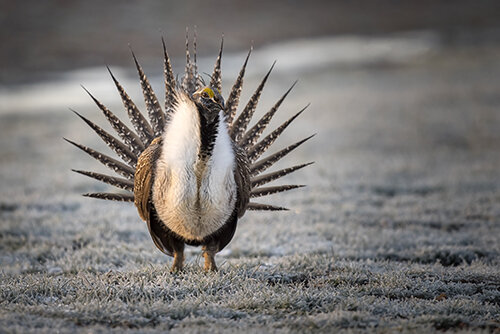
(209, 255)
(209, 262)
(178, 262)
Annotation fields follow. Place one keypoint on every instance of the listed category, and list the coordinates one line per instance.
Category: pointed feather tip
(248, 56)
(86, 120)
(83, 172)
(267, 75)
(96, 101)
(165, 53)
(270, 70)
(221, 44)
(112, 75)
(279, 208)
(296, 115)
(81, 147)
(300, 112)
(88, 92)
(286, 94)
(307, 138)
(69, 141)
(77, 113)
(85, 89)
(133, 56)
(291, 87)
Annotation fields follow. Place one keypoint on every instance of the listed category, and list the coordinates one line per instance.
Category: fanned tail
(121, 149)
(128, 136)
(156, 116)
(189, 80)
(266, 178)
(140, 123)
(216, 79)
(239, 126)
(252, 135)
(112, 196)
(264, 191)
(256, 151)
(263, 164)
(113, 164)
(133, 143)
(170, 83)
(264, 207)
(195, 64)
(234, 96)
(111, 180)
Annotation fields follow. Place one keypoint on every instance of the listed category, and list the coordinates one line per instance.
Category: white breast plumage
(193, 198)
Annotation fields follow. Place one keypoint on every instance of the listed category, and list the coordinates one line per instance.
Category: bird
(193, 166)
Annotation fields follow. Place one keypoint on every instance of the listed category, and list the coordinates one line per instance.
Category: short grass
(397, 231)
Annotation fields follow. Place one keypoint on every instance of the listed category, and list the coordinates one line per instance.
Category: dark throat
(208, 133)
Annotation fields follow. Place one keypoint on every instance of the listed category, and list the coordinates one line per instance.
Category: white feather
(193, 199)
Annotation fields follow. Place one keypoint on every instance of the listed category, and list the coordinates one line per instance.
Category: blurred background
(43, 38)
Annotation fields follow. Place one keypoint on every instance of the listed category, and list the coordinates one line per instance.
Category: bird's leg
(178, 258)
(209, 251)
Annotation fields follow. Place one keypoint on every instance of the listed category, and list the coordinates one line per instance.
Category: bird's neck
(208, 136)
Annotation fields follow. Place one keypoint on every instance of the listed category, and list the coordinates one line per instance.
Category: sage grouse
(193, 167)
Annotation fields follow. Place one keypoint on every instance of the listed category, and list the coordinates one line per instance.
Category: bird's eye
(204, 95)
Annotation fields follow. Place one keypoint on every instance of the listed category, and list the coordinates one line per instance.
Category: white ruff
(193, 199)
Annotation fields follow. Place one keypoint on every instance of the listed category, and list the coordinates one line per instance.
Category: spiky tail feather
(134, 142)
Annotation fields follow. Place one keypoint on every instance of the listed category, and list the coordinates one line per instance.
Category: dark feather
(234, 96)
(266, 178)
(239, 126)
(112, 180)
(195, 64)
(156, 116)
(216, 80)
(112, 196)
(252, 135)
(188, 82)
(264, 207)
(259, 192)
(121, 149)
(258, 149)
(170, 82)
(243, 181)
(263, 164)
(129, 137)
(140, 123)
(117, 166)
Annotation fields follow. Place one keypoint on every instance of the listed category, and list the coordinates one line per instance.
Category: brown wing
(242, 178)
(143, 179)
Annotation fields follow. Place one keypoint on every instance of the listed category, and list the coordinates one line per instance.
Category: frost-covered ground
(398, 229)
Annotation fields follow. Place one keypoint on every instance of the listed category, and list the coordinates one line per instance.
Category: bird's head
(209, 101)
